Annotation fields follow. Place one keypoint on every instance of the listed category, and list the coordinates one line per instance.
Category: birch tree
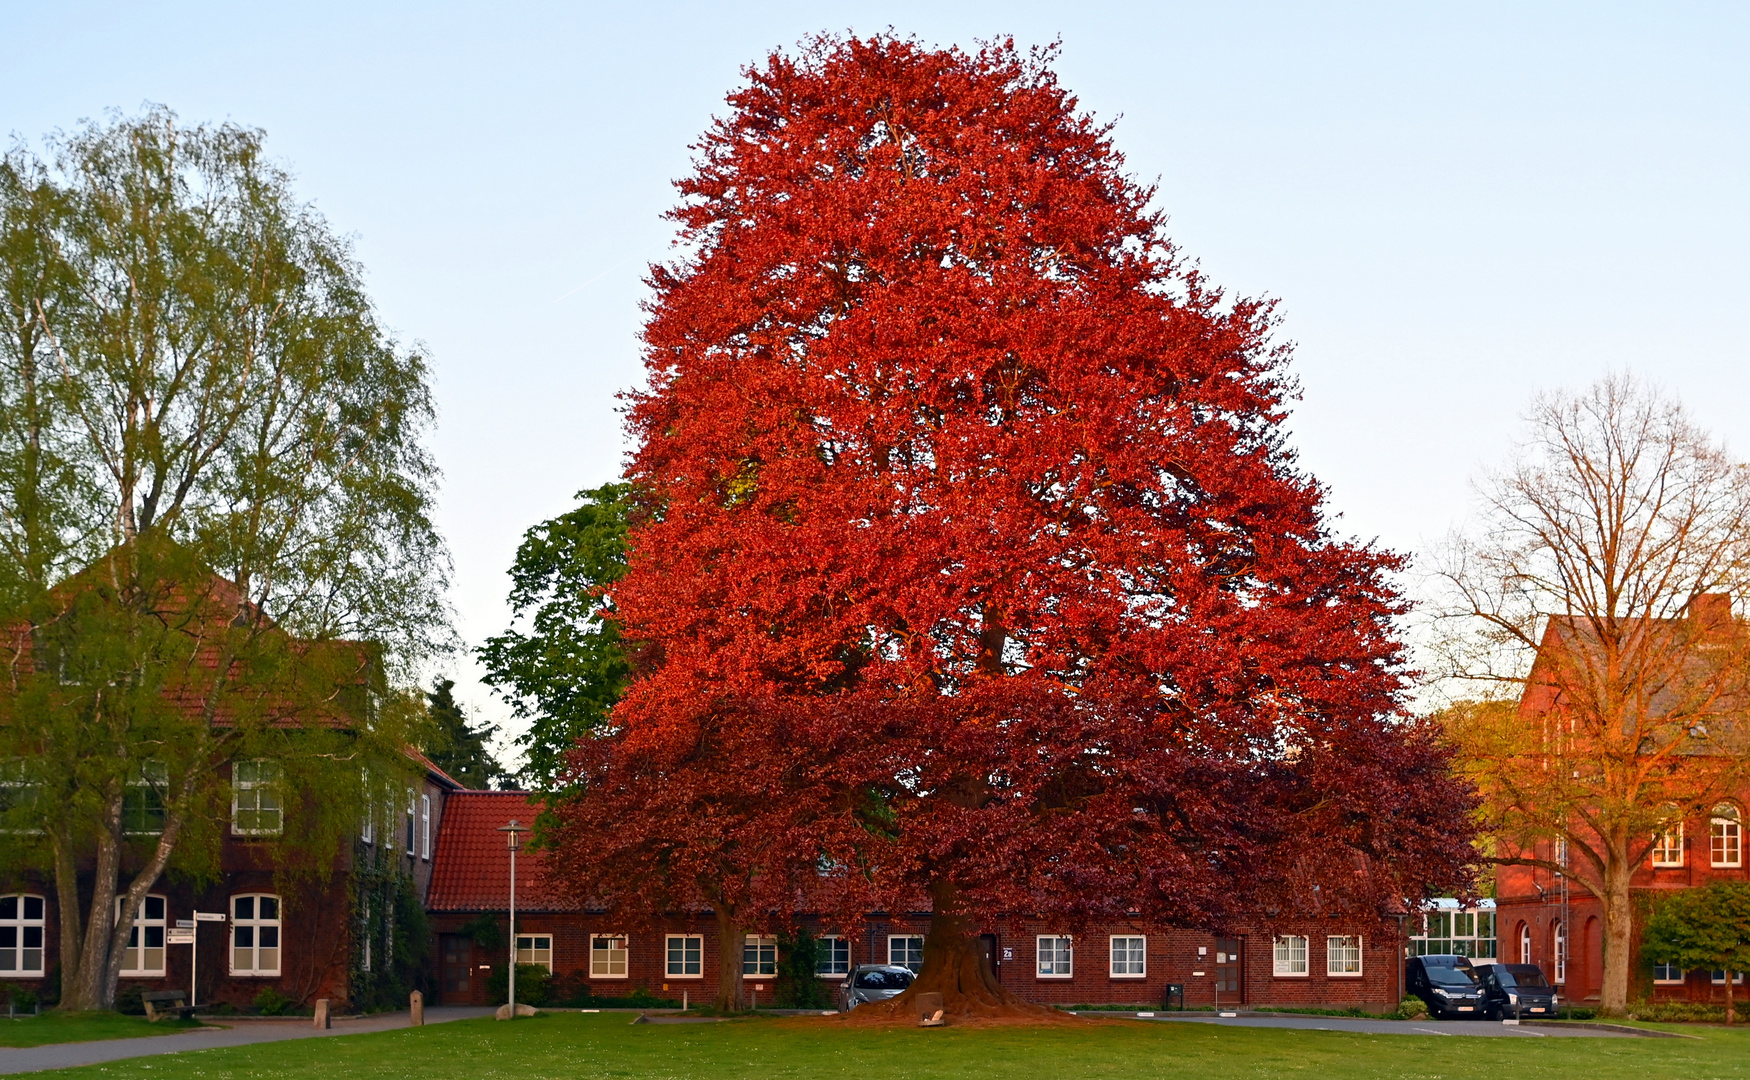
(214, 521)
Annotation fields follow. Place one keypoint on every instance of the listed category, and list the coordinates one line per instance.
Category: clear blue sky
(1457, 205)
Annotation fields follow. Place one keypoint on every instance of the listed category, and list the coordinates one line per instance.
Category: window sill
(1343, 975)
(141, 975)
(670, 975)
(615, 977)
(255, 974)
(1053, 978)
(1129, 978)
(1289, 974)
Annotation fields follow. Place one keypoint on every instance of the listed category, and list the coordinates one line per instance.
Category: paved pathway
(1395, 1027)
(16, 1059)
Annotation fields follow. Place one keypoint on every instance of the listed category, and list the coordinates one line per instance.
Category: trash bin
(1174, 997)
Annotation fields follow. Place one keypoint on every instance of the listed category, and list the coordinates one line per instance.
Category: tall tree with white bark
(215, 534)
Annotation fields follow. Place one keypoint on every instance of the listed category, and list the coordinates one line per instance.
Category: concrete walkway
(21, 1059)
(1361, 1026)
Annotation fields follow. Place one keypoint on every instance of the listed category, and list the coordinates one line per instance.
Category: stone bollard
(416, 1003)
(321, 1019)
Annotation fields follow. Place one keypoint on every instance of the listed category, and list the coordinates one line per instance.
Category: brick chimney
(1711, 611)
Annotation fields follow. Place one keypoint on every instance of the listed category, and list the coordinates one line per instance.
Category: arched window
(1668, 842)
(1524, 944)
(1725, 838)
(255, 934)
(145, 953)
(21, 936)
(1559, 937)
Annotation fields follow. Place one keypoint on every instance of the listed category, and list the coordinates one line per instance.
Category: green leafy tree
(458, 747)
(1707, 928)
(216, 554)
(562, 665)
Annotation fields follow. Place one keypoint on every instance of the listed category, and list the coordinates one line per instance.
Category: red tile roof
(471, 869)
(432, 770)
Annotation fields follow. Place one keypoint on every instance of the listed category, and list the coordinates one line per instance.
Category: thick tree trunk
(88, 984)
(954, 969)
(731, 995)
(1618, 936)
(67, 903)
(1730, 996)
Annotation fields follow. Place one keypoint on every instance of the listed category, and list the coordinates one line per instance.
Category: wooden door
(1229, 969)
(457, 961)
(987, 955)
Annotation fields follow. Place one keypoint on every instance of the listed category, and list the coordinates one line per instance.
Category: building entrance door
(988, 955)
(1229, 985)
(457, 986)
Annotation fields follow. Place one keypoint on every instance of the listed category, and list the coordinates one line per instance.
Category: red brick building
(1323, 962)
(1553, 920)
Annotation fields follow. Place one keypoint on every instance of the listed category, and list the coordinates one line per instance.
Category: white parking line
(1431, 1031)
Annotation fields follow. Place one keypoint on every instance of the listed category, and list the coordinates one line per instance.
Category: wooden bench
(162, 1003)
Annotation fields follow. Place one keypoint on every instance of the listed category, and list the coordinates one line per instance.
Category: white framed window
(1718, 977)
(832, 956)
(255, 799)
(365, 939)
(410, 832)
(1559, 949)
(1129, 957)
(143, 812)
(1342, 956)
(686, 956)
(1725, 839)
(368, 826)
(1668, 846)
(759, 957)
(1054, 957)
(255, 934)
(18, 794)
(1667, 975)
(425, 827)
(906, 951)
(144, 957)
(607, 956)
(1289, 960)
(538, 949)
(1524, 944)
(21, 935)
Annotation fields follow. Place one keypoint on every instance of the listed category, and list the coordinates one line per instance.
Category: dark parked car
(1515, 991)
(1447, 983)
(873, 982)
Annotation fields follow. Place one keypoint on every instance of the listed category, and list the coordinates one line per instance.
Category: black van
(1447, 983)
(1515, 991)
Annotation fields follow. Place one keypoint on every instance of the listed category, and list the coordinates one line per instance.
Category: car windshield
(1450, 976)
(883, 980)
(1529, 976)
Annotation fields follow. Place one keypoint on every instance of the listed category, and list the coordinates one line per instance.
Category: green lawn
(55, 1027)
(570, 1046)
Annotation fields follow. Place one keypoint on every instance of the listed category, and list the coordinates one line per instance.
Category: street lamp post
(513, 840)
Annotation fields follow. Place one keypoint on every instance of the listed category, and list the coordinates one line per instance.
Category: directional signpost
(184, 934)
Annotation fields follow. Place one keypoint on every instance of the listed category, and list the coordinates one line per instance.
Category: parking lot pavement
(1399, 1027)
(20, 1059)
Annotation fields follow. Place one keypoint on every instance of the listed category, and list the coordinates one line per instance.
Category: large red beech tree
(955, 477)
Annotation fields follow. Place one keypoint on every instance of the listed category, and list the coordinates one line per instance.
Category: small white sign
(1008, 952)
(179, 936)
(185, 924)
(210, 916)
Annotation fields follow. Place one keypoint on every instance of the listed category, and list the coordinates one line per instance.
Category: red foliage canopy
(970, 553)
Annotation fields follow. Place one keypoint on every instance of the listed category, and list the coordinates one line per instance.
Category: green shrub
(1678, 1012)
(532, 984)
(21, 998)
(1412, 1008)
(271, 1002)
(130, 1000)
